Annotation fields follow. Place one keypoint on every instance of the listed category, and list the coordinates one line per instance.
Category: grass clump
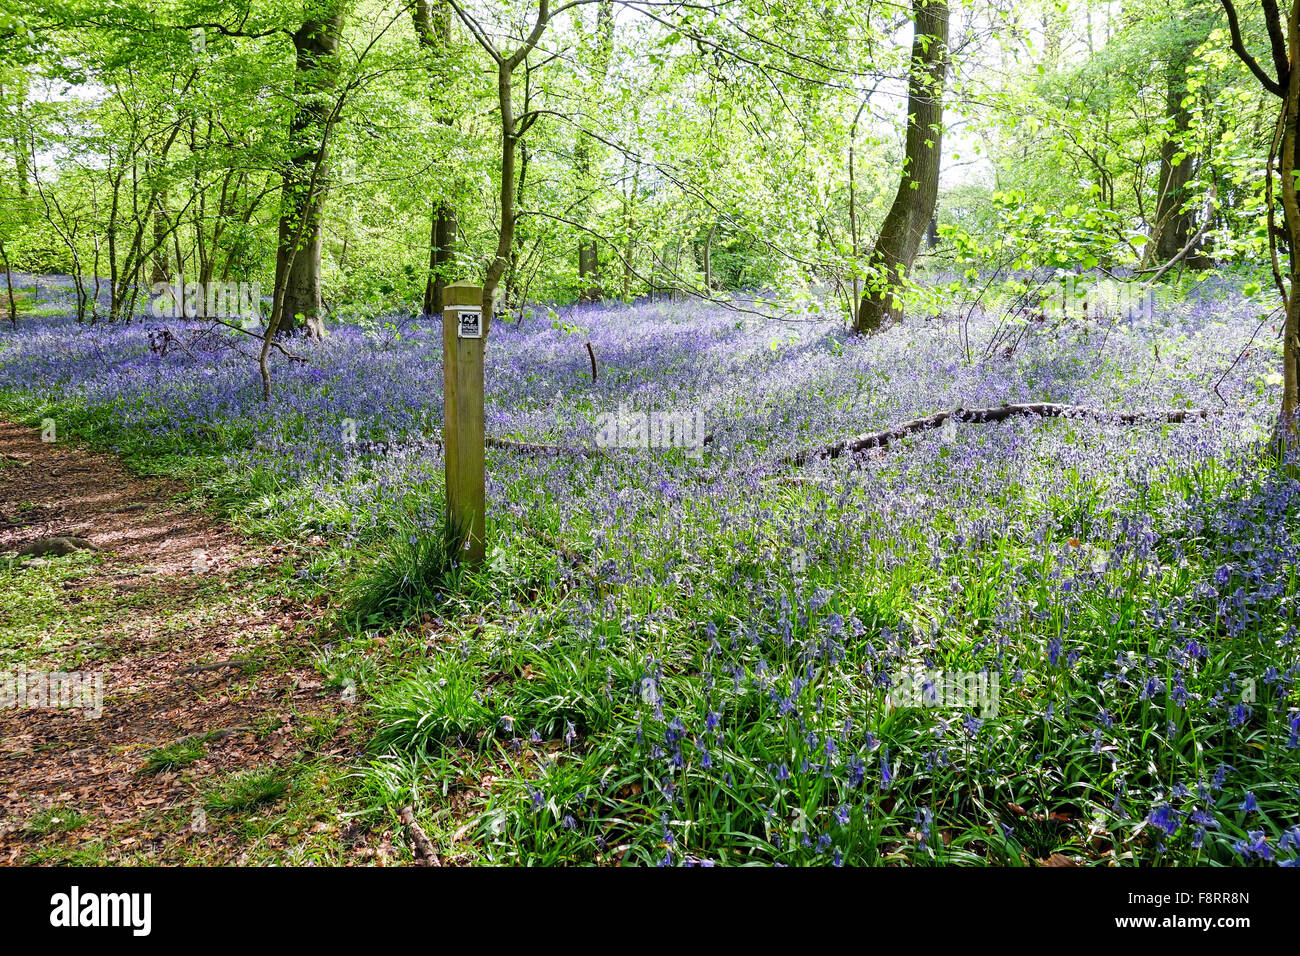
(416, 569)
(173, 756)
(439, 704)
(55, 820)
(248, 789)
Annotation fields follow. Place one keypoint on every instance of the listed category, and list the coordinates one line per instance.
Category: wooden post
(464, 331)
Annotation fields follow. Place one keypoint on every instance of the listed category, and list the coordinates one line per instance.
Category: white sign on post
(469, 324)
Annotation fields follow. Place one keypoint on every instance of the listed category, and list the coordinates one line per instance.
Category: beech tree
(298, 257)
(1175, 214)
(918, 187)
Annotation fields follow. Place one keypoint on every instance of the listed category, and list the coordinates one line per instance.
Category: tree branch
(1275, 86)
(1276, 41)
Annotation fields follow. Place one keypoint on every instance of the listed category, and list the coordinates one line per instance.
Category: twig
(592, 353)
(1191, 243)
(1242, 354)
(274, 343)
(196, 668)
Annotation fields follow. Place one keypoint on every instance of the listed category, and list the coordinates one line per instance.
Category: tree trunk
(9, 287)
(588, 248)
(513, 286)
(442, 252)
(918, 188)
(629, 224)
(1284, 45)
(589, 269)
(506, 236)
(708, 258)
(298, 262)
(21, 177)
(1288, 427)
(433, 31)
(161, 266)
(1174, 224)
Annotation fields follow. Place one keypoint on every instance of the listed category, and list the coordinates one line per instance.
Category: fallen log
(582, 451)
(534, 448)
(997, 413)
(422, 846)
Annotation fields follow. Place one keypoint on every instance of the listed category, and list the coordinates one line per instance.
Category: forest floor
(670, 658)
(238, 763)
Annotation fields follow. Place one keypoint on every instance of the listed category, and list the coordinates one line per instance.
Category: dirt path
(167, 590)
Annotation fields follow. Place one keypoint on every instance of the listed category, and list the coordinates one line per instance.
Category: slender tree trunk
(506, 235)
(589, 248)
(918, 188)
(202, 253)
(708, 258)
(512, 130)
(855, 245)
(629, 227)
(21, 177)
(20, 165)
(1288, 429)
(1284, 45)
(433, 31)
(9, 286)
(298, 261)
(117, 279)
(588, 257)
(521, 186)
(161, 264)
